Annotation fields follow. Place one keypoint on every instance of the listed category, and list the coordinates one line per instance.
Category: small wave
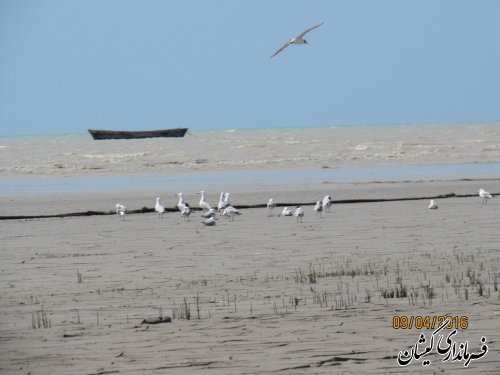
(3, 146)
(361, 147)
(252, 145)
(114, 156)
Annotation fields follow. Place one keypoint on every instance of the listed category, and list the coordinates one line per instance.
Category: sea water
(210, 159)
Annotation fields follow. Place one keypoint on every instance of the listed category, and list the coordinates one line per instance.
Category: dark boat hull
(121, 134)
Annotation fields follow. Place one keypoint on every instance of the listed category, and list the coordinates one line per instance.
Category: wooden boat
(121, 134)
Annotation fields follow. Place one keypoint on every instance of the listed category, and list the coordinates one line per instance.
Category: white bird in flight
(485, 195)
(299, 39)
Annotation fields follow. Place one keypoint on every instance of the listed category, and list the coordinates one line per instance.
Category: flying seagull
(299, 39)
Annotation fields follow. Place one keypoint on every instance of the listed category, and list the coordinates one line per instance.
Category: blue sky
(68, 65)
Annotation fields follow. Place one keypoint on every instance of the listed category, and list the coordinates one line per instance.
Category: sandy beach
(265, 294)
(261, 294)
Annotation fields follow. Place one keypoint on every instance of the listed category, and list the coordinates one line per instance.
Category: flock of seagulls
(224, 207)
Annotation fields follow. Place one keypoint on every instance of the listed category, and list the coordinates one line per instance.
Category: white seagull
(121, 210)
(210, 222)
(159, 208)
(327, 202)
(203, 203)
(186, 211)
(226, 200)
(222, 204)
(432, 205)
(231, 212)
(485, 195)
(299, 39)
(271, 205)
(286, 212)
(299, 213)
(318, 207)
(210, 213)
(181, 203)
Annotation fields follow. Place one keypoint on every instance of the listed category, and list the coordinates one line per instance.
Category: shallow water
(247, 180)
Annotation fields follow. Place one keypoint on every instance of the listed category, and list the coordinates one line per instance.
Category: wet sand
(265, 294)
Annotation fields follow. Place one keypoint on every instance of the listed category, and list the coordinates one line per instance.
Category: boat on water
(123, 134)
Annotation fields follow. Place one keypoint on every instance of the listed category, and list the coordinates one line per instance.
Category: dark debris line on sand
(147, 210)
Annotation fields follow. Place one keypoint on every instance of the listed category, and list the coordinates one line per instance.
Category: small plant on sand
(312, 276)
(480, 289)
(429, 293)
(41, 320)
(183, 311)
(299, 276)
(368, 296)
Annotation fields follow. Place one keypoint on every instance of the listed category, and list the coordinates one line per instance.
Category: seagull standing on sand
(299, 213)
(181, 203)
(222, 203)
(318, 207)
(433, 205)
(226, 200)
(271, 205)
(210, 222)
(231, 212)
(327, 202)
(186, 211)
(203, 203)
(121, 210)
(210, 213)
(159, 208)
(286, 212)
(299, 39)
(485, 195)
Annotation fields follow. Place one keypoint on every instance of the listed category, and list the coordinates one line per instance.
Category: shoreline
(100, 202)
(173, 209)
